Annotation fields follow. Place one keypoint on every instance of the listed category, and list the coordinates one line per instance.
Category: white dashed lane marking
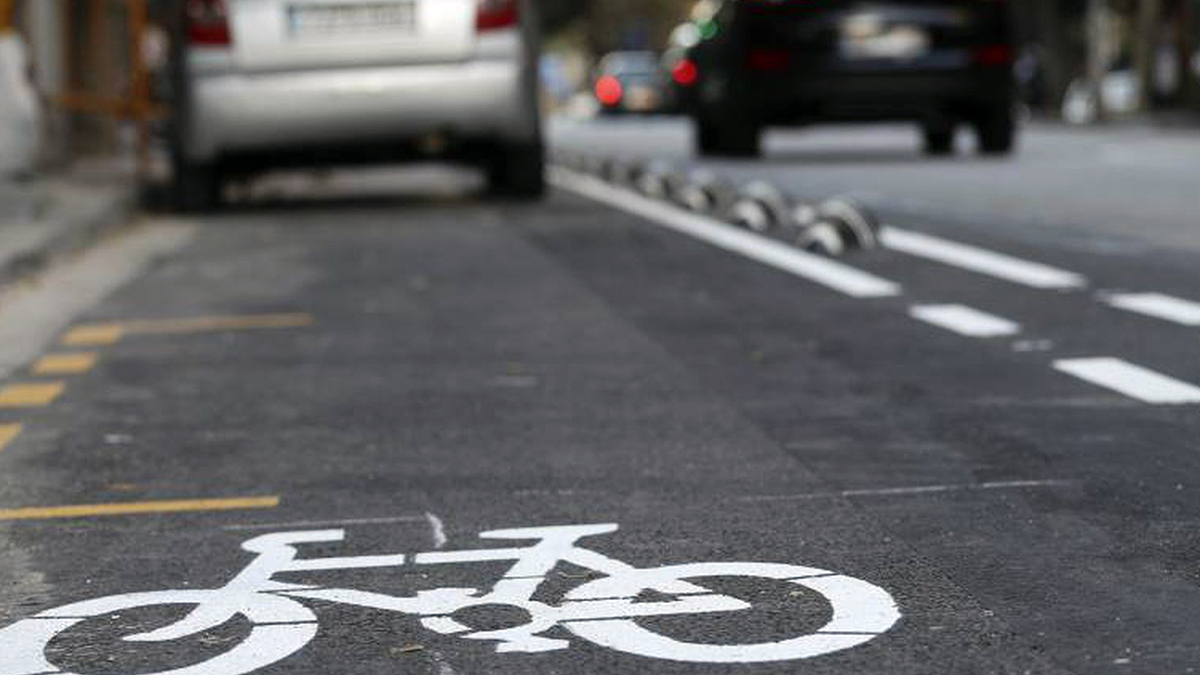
(817, 269)
(980, 260)
(1130, 380)
(1111, 373)
(1158, 306)
(965, 321)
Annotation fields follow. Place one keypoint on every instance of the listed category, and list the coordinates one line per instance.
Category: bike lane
(453, 379)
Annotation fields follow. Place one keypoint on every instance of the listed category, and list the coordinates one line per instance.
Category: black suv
(784, 62)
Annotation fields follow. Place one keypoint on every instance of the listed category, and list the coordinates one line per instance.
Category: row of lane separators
(831, 274)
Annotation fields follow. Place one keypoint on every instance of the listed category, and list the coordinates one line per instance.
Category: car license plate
(641, 99)
(865, 39)
(333, 19)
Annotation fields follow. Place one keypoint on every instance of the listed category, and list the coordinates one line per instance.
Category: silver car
(266, 83)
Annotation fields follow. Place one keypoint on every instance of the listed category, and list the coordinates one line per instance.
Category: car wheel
(997, 133)
(939, 140)
(518, 172)
(741, 139)
(196, 187)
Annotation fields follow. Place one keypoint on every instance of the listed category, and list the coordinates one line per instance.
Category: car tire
(997, 133)
(938, 140)
(731, 140)
(196, 187)
(518, 172)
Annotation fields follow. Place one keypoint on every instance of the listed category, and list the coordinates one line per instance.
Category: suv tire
(938, 140)
(741, 139)
(997, 133)
(518, 172)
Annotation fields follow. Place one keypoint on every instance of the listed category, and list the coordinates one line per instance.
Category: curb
(112, 213)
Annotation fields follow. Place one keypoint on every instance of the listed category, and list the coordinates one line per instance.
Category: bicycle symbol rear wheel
(861, 612)
(281, 627)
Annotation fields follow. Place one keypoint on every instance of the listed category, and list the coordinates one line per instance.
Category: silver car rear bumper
(479, 100)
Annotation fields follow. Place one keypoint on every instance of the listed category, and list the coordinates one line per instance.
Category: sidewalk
(53, 215)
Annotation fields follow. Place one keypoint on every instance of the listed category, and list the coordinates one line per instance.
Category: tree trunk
(1055, 62)
(1146, 50)
(1099, 52)
(1188, 24)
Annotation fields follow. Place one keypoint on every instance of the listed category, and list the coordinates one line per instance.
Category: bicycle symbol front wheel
(861, 612)
(281, 627)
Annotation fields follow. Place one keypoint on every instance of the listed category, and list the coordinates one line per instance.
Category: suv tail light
(768, 60)
(496, 14)
(685, 73)
(991, 56)
(207, 23)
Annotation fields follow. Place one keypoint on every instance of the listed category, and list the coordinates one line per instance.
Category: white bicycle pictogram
(602, 610)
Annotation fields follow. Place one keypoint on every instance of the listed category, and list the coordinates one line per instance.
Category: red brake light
(609, 90)
(496, 14)
(995, 55)
(207, 23)
(685, 73)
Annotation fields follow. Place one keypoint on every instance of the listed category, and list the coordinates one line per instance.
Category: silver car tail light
(497, 14)
(207, 23)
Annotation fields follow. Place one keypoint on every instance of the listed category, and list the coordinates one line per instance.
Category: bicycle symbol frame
(603, 611)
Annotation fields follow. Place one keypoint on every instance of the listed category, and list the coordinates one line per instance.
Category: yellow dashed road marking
(65, 364)
(138, 508)
(8, 434)
(30, 395)
(109, 333)
(94, 335)
(202, 324)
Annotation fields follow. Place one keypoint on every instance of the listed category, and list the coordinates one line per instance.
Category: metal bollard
(707, 193)
(760, 207)
(856, 224)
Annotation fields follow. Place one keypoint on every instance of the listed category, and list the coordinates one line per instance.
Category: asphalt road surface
(973, 450)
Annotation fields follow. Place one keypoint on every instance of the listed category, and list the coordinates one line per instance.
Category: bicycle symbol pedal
(604, 609)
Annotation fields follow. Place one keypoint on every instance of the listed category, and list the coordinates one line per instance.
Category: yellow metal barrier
(89, 34)
(8, 9)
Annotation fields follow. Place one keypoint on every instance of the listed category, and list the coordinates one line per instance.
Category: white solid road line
(326, 523)
(1131, 380)
(829, 273)
(1157, 305)
(979, 260)
(915, 491)
(965, 321)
